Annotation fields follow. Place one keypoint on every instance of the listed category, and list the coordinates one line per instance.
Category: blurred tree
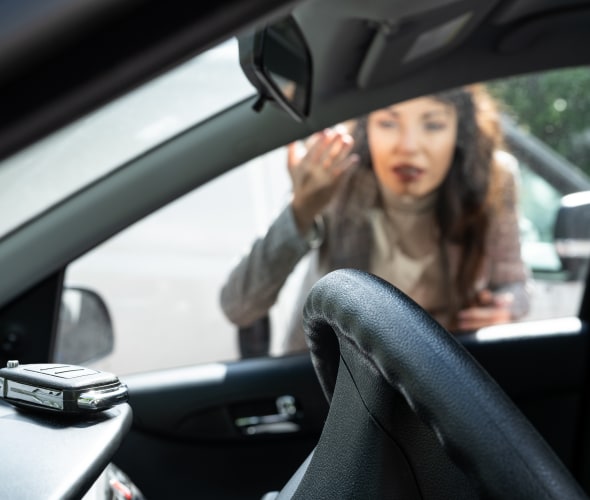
(554, 106)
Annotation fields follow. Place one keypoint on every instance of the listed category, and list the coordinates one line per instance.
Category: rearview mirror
(277, 62)
(572, 234)
(85, 331)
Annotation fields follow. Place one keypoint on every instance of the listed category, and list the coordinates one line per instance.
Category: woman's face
(412, 145)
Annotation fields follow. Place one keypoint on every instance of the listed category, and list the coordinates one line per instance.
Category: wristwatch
(315, 236)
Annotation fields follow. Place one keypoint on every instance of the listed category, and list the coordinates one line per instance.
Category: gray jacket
(254, 284)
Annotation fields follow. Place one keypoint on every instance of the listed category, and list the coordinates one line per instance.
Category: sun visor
(401, 45)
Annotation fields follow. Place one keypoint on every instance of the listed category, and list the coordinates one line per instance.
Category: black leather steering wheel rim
(405, 394)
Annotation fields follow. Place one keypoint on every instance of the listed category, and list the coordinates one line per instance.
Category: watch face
(315, 236)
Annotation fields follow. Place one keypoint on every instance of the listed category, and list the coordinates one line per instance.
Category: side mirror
(572, 234)
(85, 330)
(277, 61)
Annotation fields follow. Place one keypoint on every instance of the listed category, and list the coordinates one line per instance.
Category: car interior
(388, 405)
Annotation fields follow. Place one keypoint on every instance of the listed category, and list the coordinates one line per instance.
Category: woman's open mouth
(407, 173)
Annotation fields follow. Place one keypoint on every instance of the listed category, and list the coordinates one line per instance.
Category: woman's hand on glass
(316, 169)
(491, 309)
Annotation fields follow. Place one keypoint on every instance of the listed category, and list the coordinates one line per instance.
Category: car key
(60, 388)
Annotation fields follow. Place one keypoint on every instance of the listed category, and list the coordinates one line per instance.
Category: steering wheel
(412, 414)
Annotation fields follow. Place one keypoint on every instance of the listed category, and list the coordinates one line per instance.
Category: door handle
(285, 421)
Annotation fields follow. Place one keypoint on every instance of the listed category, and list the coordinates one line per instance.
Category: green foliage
(554, 106)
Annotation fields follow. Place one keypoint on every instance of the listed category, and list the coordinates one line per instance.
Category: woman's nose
(409, 140)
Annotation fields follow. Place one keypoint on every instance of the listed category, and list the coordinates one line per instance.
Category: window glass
(547, 130)
(161, 278)
(553, 106)
(538, 198)
(95, 145)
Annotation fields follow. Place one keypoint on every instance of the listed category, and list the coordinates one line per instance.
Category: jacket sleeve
(254, 284)
(508, 272)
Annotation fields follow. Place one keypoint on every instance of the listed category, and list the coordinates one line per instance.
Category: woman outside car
(419, 194)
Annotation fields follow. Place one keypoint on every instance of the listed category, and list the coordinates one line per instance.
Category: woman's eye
(387, 123)
(433, 126)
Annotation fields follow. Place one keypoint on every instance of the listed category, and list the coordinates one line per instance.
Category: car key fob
(69, 389)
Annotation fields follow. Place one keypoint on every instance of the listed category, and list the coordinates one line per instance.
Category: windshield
(39, 177)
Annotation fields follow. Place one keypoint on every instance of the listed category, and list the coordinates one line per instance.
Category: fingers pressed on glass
(337, 150)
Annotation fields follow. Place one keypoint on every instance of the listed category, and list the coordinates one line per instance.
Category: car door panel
(185, 427)
(544, 373)
(185, 419)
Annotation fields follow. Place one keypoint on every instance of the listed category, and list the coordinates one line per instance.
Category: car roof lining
(545, 28)
(521, 9)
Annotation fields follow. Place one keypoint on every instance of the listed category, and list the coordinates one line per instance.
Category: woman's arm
(316, 171)
(500, 306)
(506, 296)
(254, 284)
(509, 275)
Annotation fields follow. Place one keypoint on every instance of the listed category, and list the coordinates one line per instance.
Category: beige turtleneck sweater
(406, 250)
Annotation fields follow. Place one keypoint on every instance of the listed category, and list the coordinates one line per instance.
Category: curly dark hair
(466, 194)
